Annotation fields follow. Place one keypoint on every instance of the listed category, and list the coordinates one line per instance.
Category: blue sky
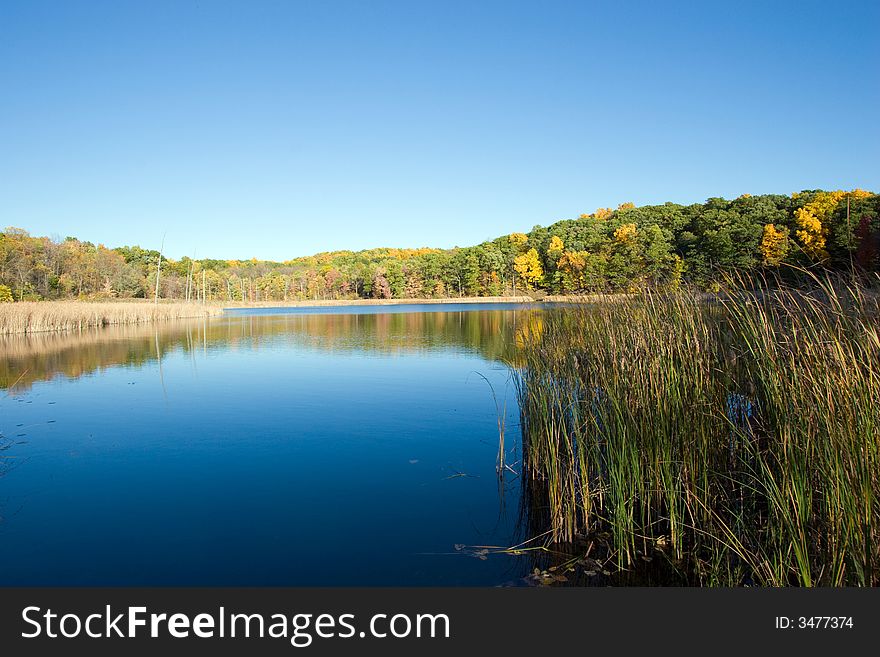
(277, 129)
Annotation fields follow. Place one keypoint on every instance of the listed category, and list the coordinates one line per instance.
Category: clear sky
(277, 129)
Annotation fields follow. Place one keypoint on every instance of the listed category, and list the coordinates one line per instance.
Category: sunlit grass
(39, 316)
(740, 438)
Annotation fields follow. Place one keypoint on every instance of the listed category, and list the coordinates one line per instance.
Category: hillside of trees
(660, 246)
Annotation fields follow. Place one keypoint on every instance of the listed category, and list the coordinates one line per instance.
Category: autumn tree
(868, 236)
(555, 248)
(625, 234)
(774, 245)
(812, 223)
(518, 241)
(845, 228)
(611, 250)
(528, 266)
(581, 270)
(381, 288)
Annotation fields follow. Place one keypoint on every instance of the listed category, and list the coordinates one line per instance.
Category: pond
(320, 446)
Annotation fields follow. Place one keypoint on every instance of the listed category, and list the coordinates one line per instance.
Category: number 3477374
(814, 622)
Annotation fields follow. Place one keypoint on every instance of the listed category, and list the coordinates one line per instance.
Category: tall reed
(39, 316)
(740, 437)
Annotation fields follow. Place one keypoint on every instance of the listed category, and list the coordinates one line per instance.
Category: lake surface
(307, 446)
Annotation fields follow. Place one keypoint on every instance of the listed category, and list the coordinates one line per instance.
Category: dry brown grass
(40, 316)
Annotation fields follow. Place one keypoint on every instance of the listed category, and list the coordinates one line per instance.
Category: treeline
(658, 246)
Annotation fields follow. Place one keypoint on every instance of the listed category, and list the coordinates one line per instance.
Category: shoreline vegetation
(734, 443)
(27, 317)
(609, 251)
(603, 256)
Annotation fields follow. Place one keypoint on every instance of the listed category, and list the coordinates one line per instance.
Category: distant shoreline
(309, 303)
(24, 317)
(27, 317)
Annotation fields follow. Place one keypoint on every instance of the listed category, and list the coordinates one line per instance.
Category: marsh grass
(41, 316)
(738, 439)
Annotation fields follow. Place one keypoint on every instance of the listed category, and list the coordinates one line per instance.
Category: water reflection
(43, 356)
(265, 449)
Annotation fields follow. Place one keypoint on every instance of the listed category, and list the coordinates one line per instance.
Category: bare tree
(159, 267)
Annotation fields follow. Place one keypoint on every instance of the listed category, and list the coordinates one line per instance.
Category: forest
(610, 250)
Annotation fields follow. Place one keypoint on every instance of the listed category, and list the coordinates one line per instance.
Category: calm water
(350, 446)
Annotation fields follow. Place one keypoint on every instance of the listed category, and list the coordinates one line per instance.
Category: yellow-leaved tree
(555, 248)
(528, 266)
(572, 266)
(518, 241)
(774, 245)
(812, 223)
(625, 233)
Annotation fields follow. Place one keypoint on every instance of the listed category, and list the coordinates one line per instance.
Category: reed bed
(40, 316)
(739, 440)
